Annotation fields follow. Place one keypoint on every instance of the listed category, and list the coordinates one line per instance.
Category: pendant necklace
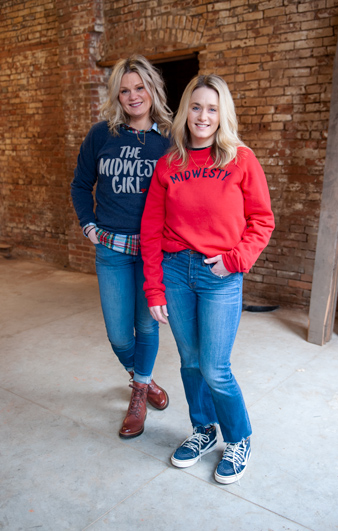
(144, 137)
(192, 158)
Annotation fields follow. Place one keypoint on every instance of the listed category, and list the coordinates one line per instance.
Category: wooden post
(325, 279)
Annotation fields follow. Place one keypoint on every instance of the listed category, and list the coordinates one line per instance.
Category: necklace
(192, 158)
(144, 137)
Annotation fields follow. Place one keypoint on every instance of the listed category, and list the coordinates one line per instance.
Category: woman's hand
(218, 269)
(92, 236)
(90, 232)
(159, 313)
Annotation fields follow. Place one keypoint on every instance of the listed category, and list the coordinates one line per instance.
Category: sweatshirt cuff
(156, 300)
(227, 264)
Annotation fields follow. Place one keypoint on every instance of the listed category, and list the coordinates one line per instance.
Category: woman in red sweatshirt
(206, 221)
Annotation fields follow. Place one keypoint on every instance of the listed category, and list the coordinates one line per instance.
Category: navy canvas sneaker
(234, 461)
(201, 442)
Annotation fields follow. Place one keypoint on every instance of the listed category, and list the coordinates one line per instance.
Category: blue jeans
(204, 314)
(131, 330)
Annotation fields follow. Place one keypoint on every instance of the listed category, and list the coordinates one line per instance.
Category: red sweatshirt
(212, 211)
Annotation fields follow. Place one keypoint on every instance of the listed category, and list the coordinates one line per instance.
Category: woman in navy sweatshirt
(119, 155)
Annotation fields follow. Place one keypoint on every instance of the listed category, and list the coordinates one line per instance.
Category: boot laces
(137, 397)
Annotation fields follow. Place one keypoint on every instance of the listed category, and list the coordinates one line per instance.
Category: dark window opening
(176, 75)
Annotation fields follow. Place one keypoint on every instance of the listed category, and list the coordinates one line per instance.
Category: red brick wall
(276, 56)
(32, 131)
(49, 99)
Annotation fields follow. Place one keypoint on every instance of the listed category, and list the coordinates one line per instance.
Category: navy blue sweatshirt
(122, 167)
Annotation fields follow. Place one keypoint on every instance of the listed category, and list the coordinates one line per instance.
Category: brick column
(80, 28)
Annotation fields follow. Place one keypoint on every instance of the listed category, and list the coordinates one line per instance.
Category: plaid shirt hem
(122, 243)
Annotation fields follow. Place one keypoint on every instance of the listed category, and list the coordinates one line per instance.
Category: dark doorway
(177, 75)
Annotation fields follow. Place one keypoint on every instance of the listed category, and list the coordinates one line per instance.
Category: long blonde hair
(224, 148)
(112, 110)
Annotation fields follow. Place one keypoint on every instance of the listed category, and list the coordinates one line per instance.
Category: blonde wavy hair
(112, 110)
(224, 148)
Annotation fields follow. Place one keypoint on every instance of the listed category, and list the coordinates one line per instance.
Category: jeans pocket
(210, 269)
(168, 256)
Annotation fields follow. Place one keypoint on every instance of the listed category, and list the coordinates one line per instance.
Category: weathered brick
(299, 284)
(276, 56)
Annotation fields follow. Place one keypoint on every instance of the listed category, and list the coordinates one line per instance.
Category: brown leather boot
(157, 396)
(133, 424)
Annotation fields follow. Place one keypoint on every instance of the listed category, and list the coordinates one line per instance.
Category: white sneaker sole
(190, 462)
(227, 480)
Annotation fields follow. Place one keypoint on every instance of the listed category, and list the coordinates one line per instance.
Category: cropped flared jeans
(204, 313)
(132, 332)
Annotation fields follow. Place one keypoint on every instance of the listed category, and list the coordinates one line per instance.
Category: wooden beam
(163, 57)
(175, 55)
(325, 280)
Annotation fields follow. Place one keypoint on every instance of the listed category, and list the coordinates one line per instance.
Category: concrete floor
(64, 395)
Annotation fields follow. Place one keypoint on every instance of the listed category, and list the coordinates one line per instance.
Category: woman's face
(203, 117)
(135, 100)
